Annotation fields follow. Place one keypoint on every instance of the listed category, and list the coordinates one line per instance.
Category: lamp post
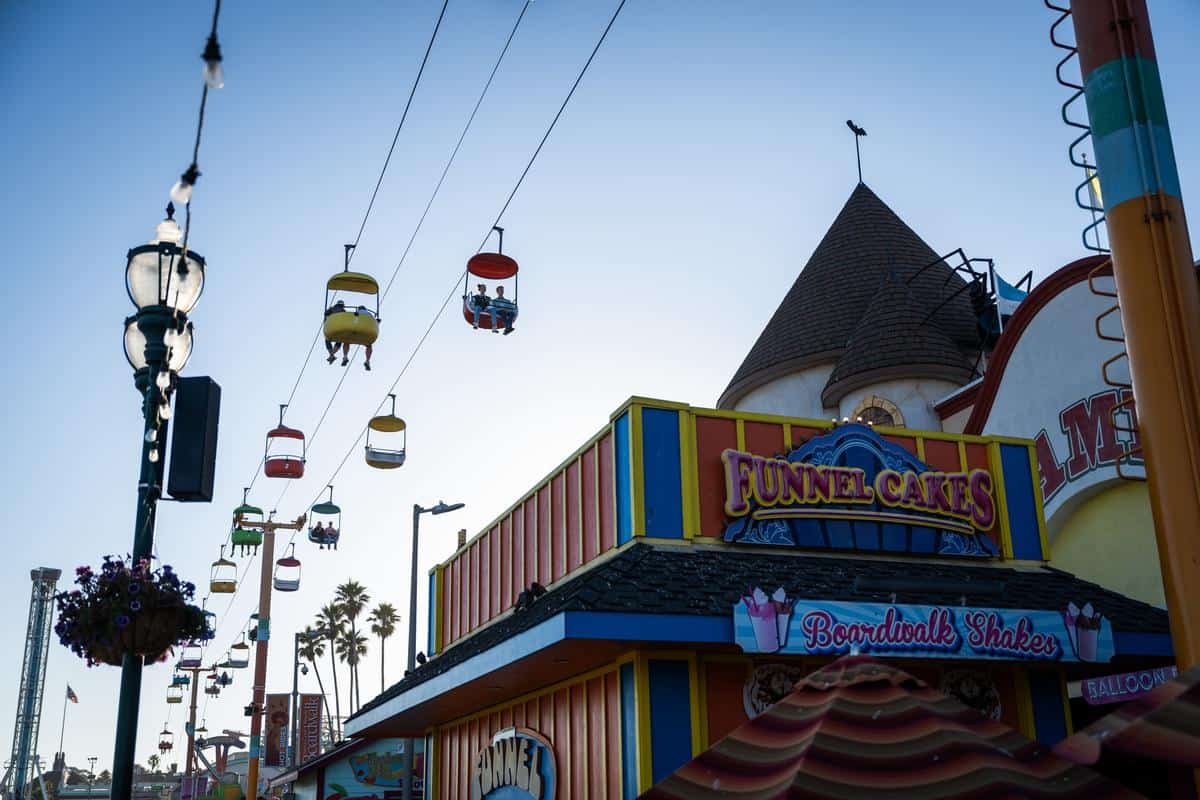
(164, 284)
(293, 739)
(410, 744)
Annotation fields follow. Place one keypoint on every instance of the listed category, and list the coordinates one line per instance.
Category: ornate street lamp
(164, 284)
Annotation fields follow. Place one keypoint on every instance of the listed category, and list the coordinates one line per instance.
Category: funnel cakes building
(697, 562)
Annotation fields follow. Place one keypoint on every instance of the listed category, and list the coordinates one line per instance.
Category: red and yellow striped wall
(654, 471)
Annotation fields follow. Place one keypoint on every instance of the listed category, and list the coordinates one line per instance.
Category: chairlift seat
(352, 327)
(384, 459)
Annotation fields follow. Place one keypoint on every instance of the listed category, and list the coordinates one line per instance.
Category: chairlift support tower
(33, 680)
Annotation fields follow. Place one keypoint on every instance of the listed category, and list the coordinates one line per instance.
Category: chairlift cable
(454, 289)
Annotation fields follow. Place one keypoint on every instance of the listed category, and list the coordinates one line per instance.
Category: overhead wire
(362, 226)
(508, 201)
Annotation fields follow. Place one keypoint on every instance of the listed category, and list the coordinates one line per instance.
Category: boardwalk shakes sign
(517, 765)
(852, 490)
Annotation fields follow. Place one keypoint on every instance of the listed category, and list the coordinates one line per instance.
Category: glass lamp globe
(135, 344)
(158, 274)
(179, 344)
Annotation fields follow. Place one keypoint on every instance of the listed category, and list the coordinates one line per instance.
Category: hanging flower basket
(128, 607)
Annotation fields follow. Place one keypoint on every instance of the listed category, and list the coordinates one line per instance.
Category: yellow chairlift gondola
(174, 694)
(239, 654)
(287, 571)
(223, 578)
(382, 457)
(350, 323)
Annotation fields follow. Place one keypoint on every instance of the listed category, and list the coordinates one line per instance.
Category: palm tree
(153, 761)
(329, 623)
(383, 624)
(311, 648)
(353, 598)
(351, 647)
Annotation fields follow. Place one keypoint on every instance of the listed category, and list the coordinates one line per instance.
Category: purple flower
(134, 587)
(135, 606)
(122, 620)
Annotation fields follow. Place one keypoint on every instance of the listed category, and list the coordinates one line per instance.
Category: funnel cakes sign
(852, 490)
(777, 624)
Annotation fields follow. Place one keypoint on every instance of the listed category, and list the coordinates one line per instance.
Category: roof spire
(858, 134)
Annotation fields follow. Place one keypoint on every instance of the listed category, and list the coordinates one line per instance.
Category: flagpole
(63, 731)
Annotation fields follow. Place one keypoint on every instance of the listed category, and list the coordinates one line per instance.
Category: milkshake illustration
(769, 618)
(783, 614)
(1083, 629)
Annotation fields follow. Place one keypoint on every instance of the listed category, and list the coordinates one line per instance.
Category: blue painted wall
(663, 471)
(670, 717)
(1022, 506)
(1048, 711)
(621, 459)
(629, 782)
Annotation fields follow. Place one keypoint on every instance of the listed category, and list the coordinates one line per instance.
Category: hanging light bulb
(181, 192)
(151, 435)
(163, 380)
(164, 411)
(153, 455)
(214, 76)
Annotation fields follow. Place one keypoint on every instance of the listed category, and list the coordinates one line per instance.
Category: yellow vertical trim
(637, 486)
(641, 677)
(699, 736)
(1024, 703)
(921, 448)
(787, 437)
(1035, 473)
(435, 764)
(962, 455)
(439, 635)
(689, 475)
(1066, 701)
(1001, 498)
(741, 434)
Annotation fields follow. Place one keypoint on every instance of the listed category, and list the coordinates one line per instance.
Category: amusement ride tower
(33, 679)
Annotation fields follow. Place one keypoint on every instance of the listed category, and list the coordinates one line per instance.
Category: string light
(181, 192)
(214, 75)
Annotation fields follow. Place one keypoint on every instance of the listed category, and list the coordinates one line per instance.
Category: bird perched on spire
(858, 134)
(857, 130)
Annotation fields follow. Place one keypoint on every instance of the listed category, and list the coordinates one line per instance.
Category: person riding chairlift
(479, 303)
(332, 346)
(504, 310)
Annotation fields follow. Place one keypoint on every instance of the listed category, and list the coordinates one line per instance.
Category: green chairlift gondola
(244, 535)
(174, 693)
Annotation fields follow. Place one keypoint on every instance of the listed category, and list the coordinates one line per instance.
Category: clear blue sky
(700, 162)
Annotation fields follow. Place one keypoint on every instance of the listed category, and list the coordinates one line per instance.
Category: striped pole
(1156, 282)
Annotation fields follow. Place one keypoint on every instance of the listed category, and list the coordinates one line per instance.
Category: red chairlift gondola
(166, 740)
(280, 459)
(484, 311)
(287, 572)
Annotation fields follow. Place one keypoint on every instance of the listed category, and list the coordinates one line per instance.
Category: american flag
(74, 698)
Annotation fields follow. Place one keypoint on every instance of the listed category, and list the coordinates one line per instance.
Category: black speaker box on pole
(194, 441)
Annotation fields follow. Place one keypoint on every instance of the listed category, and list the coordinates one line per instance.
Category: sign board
(375, 772)
(850, 489)
(309, 728)
(1125, 686)
(517, 765)
(774, 623)
(275, 751)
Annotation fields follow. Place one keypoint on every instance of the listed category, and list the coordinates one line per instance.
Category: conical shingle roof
(895, 339)
(866, 243)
